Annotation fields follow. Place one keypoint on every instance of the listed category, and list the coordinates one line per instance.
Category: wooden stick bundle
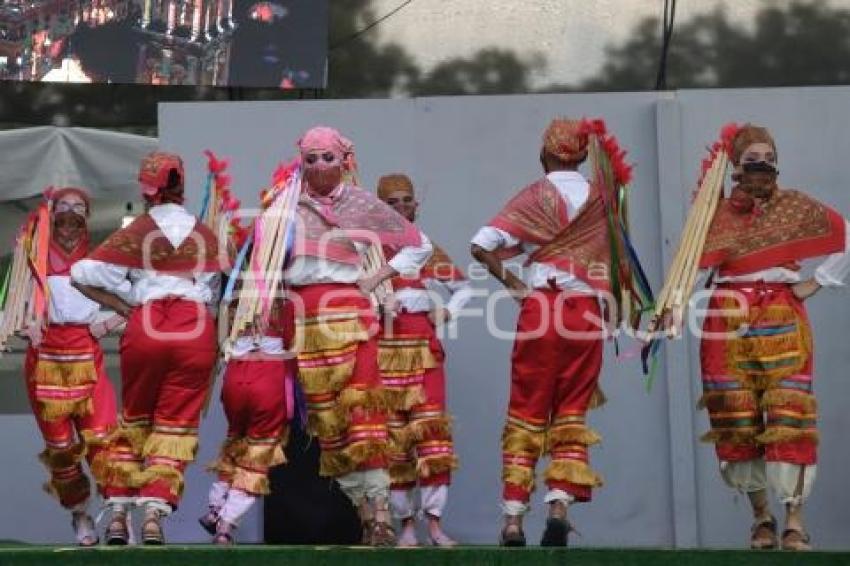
(372, 263)
(24, 303)
(266, 261)
(681, 277)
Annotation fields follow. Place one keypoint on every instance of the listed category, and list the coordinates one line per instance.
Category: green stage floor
(319, 556)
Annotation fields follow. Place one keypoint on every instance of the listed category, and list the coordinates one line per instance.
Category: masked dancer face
(756, 177)
(69, 221)
(322, 171)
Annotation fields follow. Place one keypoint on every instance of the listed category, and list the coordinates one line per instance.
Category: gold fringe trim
(403, 473)
(757, 347)
(329, 335)
(573, 471)
(223, 466)
(518, 475)
(183, 448)
(337, 463)
(90, 439)
(436, 428)
(55, 410)
(365, 450)
(367, 399)
(406, 359)
(334, 464)
(405, 398)
(517, 440)
(327, 424)
(401, 439)
(251, 482)
(58, 459)
(264, 456)
(64, 374)
(732, 437)
(114, 474)
(320, 380)
(721, 401)
(785, 397)
(135, 436)
(157, 472)
(774, 435)
(597, 399)
(99, 466)
(231, 449)
(571, 434)
(432, 465)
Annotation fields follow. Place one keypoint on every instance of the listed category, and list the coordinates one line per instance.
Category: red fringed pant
(167, 355)
(338, 371)
(555, 366)
(74, 405)
(758, 385)
(411, 363)
(254, 400)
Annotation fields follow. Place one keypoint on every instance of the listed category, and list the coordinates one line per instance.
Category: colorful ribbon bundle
(612, 175)
(24, 291)
(261, 258)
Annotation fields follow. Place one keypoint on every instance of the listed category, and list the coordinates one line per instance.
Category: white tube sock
(238, 503)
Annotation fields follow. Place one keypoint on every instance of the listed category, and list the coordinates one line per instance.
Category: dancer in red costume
(338, 358)
(71, 396)
(758, 384)
(161, 273)
(255, 400)
(411, 360)
(557, 356)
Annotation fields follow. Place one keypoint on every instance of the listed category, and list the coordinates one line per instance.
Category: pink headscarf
(323, 138)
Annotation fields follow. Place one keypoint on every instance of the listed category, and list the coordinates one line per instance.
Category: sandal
(152, 528)
(763, 534)
(209, 521)
(557, 532)
(224, 534)
(796, 540)
(512, 535)
(383, 535)
(117, 533)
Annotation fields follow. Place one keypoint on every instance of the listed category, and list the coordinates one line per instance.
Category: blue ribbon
(207, 194)
(237, 269)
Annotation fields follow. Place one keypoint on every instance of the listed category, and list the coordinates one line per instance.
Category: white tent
(104, 162)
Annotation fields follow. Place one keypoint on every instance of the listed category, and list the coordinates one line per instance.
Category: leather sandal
(796, 540)
(117, 533)
(763, 534)
(152, 529)
(383, 535)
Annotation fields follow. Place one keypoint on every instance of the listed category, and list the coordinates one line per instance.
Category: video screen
(248, 43)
